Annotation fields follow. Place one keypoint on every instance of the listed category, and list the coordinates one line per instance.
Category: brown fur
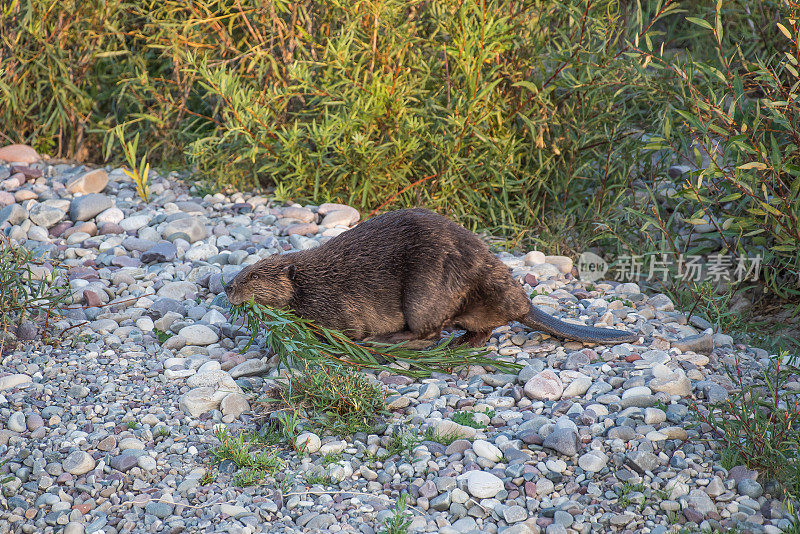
(402, 276)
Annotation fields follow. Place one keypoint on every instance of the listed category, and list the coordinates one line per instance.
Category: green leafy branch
(298, 339)
(138, 172)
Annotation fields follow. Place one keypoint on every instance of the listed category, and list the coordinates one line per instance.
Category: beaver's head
(269, 281)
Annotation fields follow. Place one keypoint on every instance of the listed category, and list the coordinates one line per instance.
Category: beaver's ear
(290, 271)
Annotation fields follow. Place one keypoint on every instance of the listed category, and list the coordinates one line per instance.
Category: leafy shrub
(758, 424)
(498, 113)
(522, 118)
(30, 291)
(735, 120)
(334, 398)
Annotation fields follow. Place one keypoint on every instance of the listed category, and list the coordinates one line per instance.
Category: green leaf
(753, 165)
(700, 22)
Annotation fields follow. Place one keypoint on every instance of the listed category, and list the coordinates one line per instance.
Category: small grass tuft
(624, 493)
(246, 450)
(402, 442)
(331, 458)
(30, 290)
(759, 424)
(467, 418)
(248, 476)
(161, 335)
(430, 434)
(316, 479)
(333, 398)
(399, 521)
(209, 478)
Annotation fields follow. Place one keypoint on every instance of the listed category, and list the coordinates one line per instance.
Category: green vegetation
(758, 424)
(431, 434)
(399, 521)
(541, 120)
(467, 418)
(209, 477)
(402, 442)
(333, 398)
(254, 458)
(313, 479)
(625, 490)
(161, 335)
(30, 290)
(301, 340)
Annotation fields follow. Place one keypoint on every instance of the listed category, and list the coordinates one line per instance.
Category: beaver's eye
(252, 276)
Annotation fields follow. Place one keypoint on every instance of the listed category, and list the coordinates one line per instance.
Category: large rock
(675, 383)
(234, 404)
(562, 440)
(487, 450)
(308, 442)
(545, 385)
(161, 252)
(701, 344)
(180, 290)
(448, 428)
(46, 215)
(87, 206)
(700, 501)
(482, 485)
(255, 366)
(339, 218)
(78, 463)
(198, 334)
(18, 154)
(91, 182)
(192, 227)
(299, 214)
(14, 214)
(197, 401)
(329, 207)
(11, 381)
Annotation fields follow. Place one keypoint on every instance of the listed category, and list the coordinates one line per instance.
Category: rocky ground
(111, 431)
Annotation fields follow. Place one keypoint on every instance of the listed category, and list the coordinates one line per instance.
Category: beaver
(403, 276)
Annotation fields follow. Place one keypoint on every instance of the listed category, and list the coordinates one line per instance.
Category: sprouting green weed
(162, 336)
(331, 458)
(432, 434)
(248, 476)
(209, 477)
(246, 451)
(314, 479)
(467, 418)
(400, 520)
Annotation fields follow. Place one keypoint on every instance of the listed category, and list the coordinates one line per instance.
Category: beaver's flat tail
(536, 319)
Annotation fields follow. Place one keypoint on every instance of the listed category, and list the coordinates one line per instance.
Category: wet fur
(403, 276)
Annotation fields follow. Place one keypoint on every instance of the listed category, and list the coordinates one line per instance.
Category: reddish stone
(632, 358)
(530, 279)
(92, 299)
(18, 153)
(84, 508)
(59, 229)
(26, 171)
(111, 228)
(530, 489)
(84, 273)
